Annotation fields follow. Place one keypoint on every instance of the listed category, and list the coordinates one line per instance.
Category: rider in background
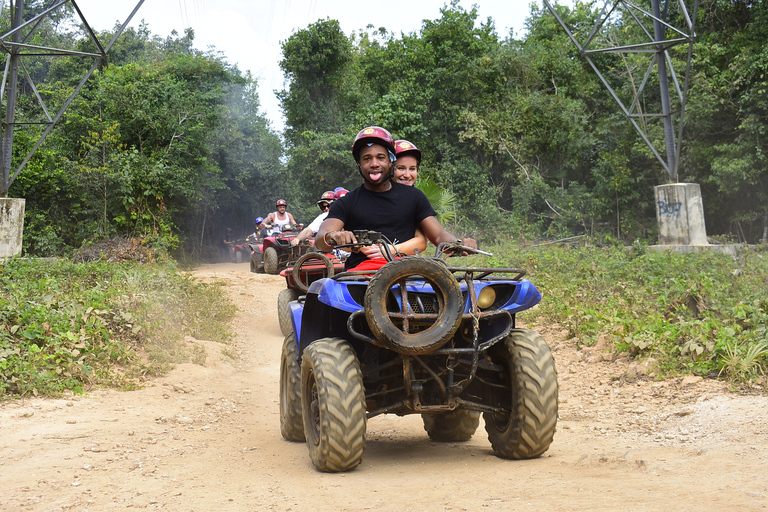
(225, 245)
(260, 232)
(324, 204)
(379, 204)
(406, 170)
(339, 192)
(276, 221)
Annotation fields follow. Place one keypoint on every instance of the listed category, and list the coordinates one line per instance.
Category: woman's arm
(419, 241)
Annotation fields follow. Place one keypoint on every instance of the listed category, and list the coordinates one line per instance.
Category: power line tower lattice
(649, 35)
(17, 49)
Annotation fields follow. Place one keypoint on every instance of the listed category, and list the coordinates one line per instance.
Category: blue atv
(416, 337)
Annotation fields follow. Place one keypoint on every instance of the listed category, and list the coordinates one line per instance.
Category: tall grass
(704, 313)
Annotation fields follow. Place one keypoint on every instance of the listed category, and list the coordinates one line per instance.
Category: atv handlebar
(448, 249)
(444, 250)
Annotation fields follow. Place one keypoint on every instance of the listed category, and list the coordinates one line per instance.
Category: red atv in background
(272, 254)
(306, 270)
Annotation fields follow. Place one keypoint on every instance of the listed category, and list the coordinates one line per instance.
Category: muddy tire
(333, 405)
(238, 257)
(311, 258)
(527, 431)
(284, 310)
(291, 424)
(391, 327)
(270, 261)
(451, 426)
(256, 262)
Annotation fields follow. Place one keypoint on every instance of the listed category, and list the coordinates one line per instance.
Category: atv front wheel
(333, 405)
(291, 424)
(270, 261)
(301, 275)
(526, 431)
(284, 310)
(451, 426)
(391, 312)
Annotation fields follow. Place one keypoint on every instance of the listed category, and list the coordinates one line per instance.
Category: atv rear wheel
(390, 313)
(333, 405)
(527, 430)
(451, 426)
(284, 310)
(291, 424)
(270, 261)
(301, 276)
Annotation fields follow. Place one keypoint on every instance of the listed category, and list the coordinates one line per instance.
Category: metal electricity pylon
(14, 44)
(657, 36)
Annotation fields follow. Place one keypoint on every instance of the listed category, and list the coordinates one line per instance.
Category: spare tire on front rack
(393, 319)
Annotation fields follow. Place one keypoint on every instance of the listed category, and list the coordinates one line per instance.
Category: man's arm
(267, 221)
(437, 233)
(305, 233)
(333, 229)
(419, 241)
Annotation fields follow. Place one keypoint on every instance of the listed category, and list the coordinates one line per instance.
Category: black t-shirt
(395, 213)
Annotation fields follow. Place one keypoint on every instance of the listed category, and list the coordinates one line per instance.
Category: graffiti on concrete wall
(666, 208)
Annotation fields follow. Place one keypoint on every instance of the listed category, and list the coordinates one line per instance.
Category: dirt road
(207, 438)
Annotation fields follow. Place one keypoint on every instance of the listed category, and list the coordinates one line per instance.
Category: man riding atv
(393, 209)
(414, 336)
(276, 221)
(324, 204)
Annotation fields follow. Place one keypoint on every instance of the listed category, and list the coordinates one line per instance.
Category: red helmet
(281, 202)
(372, 135)
(403, 148)
(327, 197)
(340, 192)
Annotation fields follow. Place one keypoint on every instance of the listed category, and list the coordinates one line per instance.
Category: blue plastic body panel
(336, 294)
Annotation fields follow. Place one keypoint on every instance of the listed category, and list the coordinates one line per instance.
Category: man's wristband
(325, 239)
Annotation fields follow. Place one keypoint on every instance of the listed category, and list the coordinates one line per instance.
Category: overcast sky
(249, 32)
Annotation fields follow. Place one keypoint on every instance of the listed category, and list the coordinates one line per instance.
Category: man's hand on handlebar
(469, 242)
(338, 238)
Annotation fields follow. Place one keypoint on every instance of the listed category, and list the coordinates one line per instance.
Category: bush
(70, 326)
(703, 313)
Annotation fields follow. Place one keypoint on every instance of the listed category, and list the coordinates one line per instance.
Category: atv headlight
(486, 298)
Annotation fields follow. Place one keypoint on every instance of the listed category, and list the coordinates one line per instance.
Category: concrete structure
(680, 213)
(11, 226)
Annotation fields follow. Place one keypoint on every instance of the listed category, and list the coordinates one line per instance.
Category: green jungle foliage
(69, 326)
(166, 142)
(521, 130)
(703, 313)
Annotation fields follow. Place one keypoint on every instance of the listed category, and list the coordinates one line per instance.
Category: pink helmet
(340, 192)
(404, 148)
(372, 135)
(281, 202)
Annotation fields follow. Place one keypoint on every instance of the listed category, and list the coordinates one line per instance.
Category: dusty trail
(207, 438)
